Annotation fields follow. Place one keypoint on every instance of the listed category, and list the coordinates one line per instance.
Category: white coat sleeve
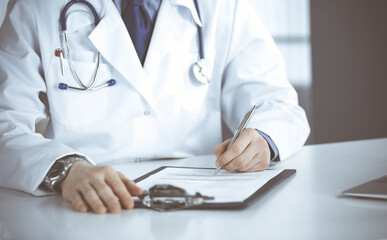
(25, 156)
(255, 74)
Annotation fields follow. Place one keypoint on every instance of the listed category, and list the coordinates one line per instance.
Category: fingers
(250, 152)
(128, 185)
(120, 190)
(105, 193)
(245, 160)
(260, 166)
(102, 188)
(235, 150)
(92, 198)
(77, 201)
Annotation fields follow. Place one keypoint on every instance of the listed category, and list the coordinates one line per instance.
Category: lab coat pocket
(193, 91)
(78, 108)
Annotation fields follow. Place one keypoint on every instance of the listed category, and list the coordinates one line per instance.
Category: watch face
(56, 169)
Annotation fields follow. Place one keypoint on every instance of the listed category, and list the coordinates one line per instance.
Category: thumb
(133, 189)
(221, 148)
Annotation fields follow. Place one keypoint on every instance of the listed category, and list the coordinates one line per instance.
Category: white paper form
(225, 186)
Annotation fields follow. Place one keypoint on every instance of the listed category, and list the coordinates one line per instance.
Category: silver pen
(241, 127)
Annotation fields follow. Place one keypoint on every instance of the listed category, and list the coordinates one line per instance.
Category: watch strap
(61, 166)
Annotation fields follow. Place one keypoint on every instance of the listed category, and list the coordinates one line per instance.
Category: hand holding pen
(247, 151)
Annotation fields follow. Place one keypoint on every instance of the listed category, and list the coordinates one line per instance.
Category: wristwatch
(59, 170)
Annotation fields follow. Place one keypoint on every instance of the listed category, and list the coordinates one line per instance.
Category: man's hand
(100, 187)
(249, 153)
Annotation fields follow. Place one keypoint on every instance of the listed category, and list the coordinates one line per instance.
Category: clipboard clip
(165, 197)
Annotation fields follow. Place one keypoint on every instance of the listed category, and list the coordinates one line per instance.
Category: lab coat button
(146, 113)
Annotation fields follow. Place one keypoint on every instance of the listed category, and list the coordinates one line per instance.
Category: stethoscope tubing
(200, 32)
(199, 68)
(75, 72)
(63, 20)
(63, 17)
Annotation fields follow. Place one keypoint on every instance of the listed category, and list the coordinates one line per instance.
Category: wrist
(59, 171)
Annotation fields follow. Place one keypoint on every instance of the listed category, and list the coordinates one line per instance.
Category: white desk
(306, 206)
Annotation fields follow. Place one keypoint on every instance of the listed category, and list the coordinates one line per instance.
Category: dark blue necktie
(139, 25)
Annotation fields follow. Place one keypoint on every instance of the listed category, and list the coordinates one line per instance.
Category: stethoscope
(62, 20)
(199, 69)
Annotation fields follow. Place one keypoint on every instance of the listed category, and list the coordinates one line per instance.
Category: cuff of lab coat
(41, 190)
(274, 154)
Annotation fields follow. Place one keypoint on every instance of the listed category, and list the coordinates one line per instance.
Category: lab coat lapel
(171, 27)
(113, 41)
(190, 5)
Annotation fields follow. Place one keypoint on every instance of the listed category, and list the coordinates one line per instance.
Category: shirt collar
(191, 7)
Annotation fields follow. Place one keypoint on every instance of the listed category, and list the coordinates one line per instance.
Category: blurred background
(336, 57)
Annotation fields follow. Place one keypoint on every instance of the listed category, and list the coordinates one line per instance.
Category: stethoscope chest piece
(201, 72)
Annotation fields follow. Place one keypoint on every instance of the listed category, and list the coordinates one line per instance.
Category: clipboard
(259, 193)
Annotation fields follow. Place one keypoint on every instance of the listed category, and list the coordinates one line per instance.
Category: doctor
(140, 94)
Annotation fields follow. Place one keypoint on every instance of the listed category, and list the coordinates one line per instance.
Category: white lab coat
(154, 111)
